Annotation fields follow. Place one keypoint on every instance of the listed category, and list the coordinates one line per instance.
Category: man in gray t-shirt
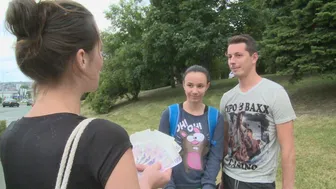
(258, 124)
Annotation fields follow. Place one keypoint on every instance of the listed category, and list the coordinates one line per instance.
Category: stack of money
(154, 146)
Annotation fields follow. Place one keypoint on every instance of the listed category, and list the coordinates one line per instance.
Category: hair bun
(22, 18)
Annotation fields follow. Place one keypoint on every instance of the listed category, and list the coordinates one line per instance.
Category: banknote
(154, 146)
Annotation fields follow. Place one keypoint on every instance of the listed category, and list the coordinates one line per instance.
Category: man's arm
(284, 116)
(285, 132)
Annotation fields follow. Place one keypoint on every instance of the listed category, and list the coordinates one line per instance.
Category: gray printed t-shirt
(253, 147)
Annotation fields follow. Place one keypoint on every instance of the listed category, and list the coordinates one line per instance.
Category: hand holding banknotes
(155, 154)
(150, 147)
(152, 177)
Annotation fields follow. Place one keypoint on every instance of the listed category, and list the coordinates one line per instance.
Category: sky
(9, 71)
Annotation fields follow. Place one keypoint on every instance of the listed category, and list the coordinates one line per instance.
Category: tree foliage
(301, 38)
(150, 46)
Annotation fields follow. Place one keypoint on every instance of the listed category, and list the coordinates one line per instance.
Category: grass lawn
(314, 100)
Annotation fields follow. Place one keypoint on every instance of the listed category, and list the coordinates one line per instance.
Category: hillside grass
(314, 101)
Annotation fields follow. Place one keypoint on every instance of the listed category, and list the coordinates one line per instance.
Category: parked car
(30, 103)
(10, 103)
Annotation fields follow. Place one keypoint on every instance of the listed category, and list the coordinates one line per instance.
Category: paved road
(11, 114)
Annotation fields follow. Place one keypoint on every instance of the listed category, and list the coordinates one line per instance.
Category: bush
(101, 103)
(2, 126)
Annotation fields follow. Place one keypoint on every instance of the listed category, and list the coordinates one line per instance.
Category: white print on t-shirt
(183, 125)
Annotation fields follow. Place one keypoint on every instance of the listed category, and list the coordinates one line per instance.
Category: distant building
(9, 94)
(14, 90)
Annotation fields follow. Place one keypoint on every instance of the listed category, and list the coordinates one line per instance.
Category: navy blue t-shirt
(201, 160)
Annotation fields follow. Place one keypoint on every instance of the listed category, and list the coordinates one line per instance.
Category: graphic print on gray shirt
(253, 147)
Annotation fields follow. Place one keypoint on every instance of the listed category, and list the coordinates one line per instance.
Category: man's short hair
(251, 45)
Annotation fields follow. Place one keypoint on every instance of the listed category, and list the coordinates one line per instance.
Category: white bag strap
(69, 151)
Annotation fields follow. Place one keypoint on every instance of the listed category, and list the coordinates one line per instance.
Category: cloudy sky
(9, 70)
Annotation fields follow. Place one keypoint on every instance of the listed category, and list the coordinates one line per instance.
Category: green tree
(124, 67)
(245, 17)
(159, 44)
(323, 37)
(183, 33)
(301, 37)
